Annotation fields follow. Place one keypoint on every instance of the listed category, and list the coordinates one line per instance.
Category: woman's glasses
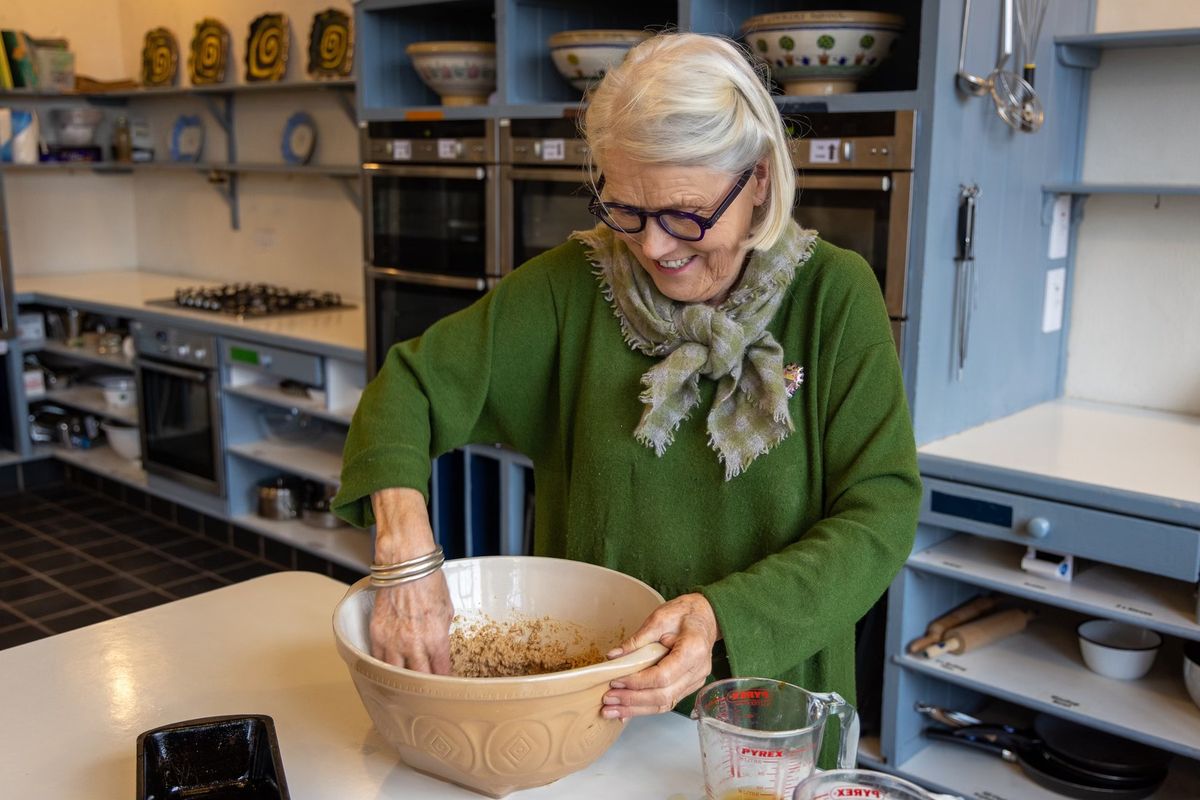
(680, 224)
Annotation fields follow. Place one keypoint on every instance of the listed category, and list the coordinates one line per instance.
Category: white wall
(1135, 318)
(297, 231)
(79, 221)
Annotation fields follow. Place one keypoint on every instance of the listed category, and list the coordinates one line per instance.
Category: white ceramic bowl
(496, 735)
(125, 440)
(462, 73)
(76, 126)
(583, 57)
(1191, 670)
(119, 391)
(821, 52)
(1117, 649)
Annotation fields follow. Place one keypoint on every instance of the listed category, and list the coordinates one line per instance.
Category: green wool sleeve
(820, 585)
(483, 374)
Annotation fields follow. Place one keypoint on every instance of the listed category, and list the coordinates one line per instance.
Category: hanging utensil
(968, 83)
(1030, 15)
(964, 284)
(1016, 101)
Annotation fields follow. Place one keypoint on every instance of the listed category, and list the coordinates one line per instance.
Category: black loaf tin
(214, 758)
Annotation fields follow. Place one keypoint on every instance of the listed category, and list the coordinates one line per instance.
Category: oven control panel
(175, 344)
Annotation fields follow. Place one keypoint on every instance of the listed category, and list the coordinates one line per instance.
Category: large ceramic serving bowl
(822, 52)
(583, 57)
(496, 735)
(462, 73)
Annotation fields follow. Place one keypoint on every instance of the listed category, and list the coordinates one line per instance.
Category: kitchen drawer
(1155, 547)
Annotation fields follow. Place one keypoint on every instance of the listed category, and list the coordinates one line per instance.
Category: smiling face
(689, 272)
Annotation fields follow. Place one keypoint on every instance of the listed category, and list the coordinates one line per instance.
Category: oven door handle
(194, 375)
(429, 279)
(853, 183)
(558, 174)
(465, 173)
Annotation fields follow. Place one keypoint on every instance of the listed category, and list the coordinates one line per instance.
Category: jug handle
(848, 717)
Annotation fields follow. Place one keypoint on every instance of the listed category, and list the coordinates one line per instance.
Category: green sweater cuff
(372, 469)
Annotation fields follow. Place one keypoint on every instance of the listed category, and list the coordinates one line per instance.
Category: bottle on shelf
(122, 142)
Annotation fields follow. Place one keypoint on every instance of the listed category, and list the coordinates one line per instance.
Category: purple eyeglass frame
(597, 207)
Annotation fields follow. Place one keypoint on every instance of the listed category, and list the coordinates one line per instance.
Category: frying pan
(1050, 772)
(1078, 746)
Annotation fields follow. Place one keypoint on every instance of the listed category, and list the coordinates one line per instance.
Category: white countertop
(73, 705)
(131, 289)
(1119, 448)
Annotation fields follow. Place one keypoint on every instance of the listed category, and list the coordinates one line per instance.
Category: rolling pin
(983, 631)
(964, 613)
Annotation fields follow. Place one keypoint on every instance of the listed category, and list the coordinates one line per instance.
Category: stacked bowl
(583, 57)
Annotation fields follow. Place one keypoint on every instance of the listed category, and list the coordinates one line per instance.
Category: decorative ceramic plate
(299, 138)
(267, 48)
(210, 52)
(187, 138)
(160, 58)
(330, 45)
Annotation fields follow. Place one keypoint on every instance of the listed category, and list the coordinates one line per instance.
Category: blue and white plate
(299, 138)
(187, 138)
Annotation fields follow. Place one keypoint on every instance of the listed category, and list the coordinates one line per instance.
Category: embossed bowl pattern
(497, 735)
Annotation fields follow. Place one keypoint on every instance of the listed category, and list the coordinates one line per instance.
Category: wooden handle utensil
(976, 634)
(965, 613)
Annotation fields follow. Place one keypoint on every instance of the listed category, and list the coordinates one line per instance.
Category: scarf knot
(728, 343)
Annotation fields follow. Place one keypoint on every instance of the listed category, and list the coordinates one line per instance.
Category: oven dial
(200, 353)
(183, 350)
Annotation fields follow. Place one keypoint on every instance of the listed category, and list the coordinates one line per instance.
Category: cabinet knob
(1038, 527)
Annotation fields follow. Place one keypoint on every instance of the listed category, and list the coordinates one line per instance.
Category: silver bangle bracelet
(385, 575)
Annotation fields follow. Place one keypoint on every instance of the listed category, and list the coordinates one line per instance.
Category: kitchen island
(74, 704)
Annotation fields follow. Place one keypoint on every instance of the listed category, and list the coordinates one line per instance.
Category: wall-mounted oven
(543, 195)
(854, 186)
(430, 192)
(179, 409)
(431, 239)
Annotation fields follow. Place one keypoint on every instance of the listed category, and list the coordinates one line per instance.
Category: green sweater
(790, 553)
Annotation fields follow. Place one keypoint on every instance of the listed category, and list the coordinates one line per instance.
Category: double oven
(452, 207)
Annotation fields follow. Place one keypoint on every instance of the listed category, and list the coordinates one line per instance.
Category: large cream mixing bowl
(496, 735)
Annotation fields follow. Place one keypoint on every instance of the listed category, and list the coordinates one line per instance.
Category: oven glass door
(864, 213)
(542, 208)
(180, 433)
(430, 220)
(403, 307)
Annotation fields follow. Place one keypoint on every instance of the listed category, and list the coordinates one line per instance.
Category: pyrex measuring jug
(837, 784)
(759, 737)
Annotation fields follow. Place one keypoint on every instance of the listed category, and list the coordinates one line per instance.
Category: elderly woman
(709, 393)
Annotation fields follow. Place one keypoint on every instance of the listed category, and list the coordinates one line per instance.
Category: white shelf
(104, 460)
(350, 547)
(120, 361)
(972, 774)
(91, 399)
(1099, 589)
(275, 397)
(318, 462)
(1041, 668)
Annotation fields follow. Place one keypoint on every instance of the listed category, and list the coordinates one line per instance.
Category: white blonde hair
(688, 99)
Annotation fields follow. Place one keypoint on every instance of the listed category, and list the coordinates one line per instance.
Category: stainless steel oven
(543, 197)
(431, 237)
(430, 192)
(179, 410)
(401, 306)
(854, 186)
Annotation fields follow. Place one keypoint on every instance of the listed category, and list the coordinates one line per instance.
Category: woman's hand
(410, 625)
(688, 627)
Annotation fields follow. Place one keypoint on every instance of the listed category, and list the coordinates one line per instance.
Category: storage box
(31, 328)
(235, 756)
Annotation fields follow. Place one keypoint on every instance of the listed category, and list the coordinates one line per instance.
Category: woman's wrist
(402, 529)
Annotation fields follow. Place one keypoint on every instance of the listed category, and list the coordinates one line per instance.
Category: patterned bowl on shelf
(583, 57)
(822, 52)
(462, 73)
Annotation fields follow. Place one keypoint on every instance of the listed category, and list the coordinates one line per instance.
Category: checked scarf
(728, 343)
